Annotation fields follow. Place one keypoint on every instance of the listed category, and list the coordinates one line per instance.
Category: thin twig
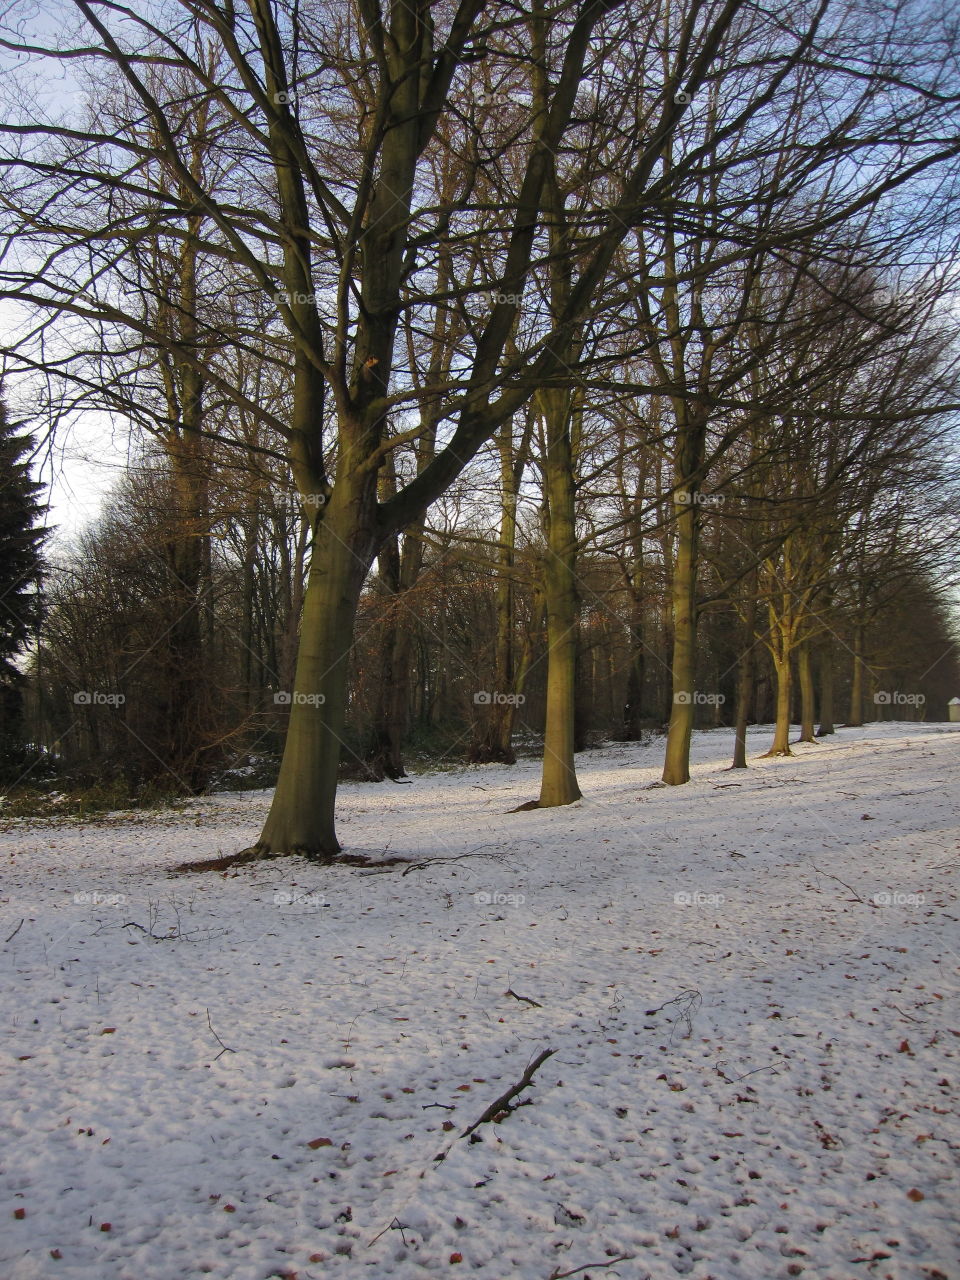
(436, 862)
(591, 1266)
(688, 1003)
(684, 995)
(726, 1079)
(395, 1225)
(16, 930)
(845, 885)
(906, 1015)
(225, 1047)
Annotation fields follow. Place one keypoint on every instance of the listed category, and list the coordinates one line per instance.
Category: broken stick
(523, 1083)
(526, 999)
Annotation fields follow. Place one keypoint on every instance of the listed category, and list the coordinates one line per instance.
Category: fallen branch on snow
(718, 1067)
(687, 1002)
(523, 1083)
(856, 896)
(590, 1266)
(224, 1048)
(459, 857)
(395, 1225)
(493, 1110)
(526, 999)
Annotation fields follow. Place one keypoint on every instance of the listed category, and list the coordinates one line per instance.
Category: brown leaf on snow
(915, 1195)
(905, 1047)
(320, 1142)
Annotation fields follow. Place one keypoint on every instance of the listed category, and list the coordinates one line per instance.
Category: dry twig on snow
(524, 1082)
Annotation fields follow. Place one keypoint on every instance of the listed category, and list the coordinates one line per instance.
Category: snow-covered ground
(266, 1085)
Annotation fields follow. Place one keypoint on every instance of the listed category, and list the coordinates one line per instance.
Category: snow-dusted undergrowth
(257, 1081)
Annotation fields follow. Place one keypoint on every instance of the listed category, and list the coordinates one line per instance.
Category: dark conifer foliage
(21, 541)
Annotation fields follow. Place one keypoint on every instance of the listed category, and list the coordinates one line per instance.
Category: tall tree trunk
(634, 709)
(376, 754)
(398, 699)
(781, 737)
(493, 733)
(248, 580)
(634, 712)
(805, 673)
(382, 754)
(559, 778)
(855, 718)
(745, 667)
(826, 688)
(399, 571)
(301, 818)
(187, 703)
(676, 766)
(185, 710)
(586, 693)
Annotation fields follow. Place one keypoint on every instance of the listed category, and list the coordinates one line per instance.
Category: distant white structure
(954, 709)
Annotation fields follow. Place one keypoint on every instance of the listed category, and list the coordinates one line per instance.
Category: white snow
(783, 1117)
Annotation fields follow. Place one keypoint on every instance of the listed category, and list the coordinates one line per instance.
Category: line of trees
(595, 357)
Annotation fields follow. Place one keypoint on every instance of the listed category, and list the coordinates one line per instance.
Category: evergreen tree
(20, 574)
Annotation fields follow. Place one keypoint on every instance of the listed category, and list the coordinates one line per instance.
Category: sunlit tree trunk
(301, 818)
(691, 437)
(781, 736)
(559, 779)
(676, 766)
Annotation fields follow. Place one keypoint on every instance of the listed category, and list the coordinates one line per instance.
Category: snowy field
(750, 985)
